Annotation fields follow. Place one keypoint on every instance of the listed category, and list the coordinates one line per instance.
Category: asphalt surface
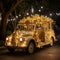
(45, 53)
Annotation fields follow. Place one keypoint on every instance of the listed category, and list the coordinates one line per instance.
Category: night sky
(54, 4)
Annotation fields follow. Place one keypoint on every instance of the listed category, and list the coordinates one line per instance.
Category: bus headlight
(21, 39)
(6, 38)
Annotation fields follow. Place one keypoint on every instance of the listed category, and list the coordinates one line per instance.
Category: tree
(6, 7)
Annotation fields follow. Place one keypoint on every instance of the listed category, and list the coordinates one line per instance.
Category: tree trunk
(4, 19)
(3, 26)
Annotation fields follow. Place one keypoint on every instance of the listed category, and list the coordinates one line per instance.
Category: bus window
(38, 27)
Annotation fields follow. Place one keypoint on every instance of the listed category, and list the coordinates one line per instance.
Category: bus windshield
(28, 27)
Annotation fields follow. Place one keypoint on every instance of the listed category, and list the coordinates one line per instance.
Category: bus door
(40, 33)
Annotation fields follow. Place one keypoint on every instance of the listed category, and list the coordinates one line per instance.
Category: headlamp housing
(21, 39)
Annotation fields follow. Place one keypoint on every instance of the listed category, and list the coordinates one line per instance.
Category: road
(45, 53)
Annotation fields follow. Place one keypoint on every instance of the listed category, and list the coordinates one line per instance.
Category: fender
(31, 40)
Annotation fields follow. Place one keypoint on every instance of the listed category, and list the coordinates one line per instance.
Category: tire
(52, 41)
(31, 48)
(11, 49)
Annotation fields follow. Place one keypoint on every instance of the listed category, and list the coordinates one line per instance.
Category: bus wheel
(31, 48)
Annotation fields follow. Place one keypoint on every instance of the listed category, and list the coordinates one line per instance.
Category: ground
(45, 53)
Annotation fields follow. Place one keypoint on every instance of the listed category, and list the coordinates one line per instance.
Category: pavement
(45, 53)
